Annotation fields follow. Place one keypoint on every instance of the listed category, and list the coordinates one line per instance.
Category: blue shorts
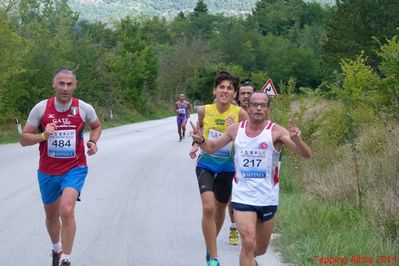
(51, 186)
(264, 213)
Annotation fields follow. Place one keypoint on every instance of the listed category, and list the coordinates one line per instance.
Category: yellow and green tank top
(214, 125)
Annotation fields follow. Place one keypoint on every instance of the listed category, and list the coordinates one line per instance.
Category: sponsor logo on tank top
(63, 121)
(74, 110)
(219, 122)
(263, 146)
(253, 153)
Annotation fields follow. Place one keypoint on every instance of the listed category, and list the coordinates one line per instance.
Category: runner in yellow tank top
(215, 171)
(214, 124)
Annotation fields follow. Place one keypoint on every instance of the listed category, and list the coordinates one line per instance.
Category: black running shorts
(219, 183)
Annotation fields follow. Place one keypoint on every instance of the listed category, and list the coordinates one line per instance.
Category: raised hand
(294, 131)
(196, 133)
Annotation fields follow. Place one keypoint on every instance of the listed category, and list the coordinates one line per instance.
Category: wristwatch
(201, 142)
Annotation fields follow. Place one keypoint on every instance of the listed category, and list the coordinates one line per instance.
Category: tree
(283, 60)
(155, 30)
(276, 16)
(7, 5)
(134, 64)
(12, 52)
(240, 49)
(200, 8)
(355, 27)
(181, 15)
(180, 63)
(389, 67)
(46, 26)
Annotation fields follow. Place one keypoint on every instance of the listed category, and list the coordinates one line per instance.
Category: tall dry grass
(363, 171)
(344, 200)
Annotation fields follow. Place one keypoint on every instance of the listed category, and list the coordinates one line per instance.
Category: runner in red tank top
(57, 124)
(63, 150)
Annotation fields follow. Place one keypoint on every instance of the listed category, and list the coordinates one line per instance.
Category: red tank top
(65, 149)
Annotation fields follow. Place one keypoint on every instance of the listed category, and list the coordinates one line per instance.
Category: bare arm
(292, 139)
(95, 132)
(176, 109)
(211, 146)
(30, 136)
(201, 115)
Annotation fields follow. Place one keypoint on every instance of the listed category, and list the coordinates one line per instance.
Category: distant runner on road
(182, 109)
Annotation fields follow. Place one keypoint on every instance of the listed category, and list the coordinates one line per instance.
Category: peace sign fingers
(293, 122)
(293, 129)
(196, 133)
(194, 127)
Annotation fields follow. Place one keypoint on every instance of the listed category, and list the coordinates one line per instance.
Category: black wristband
(93, 141)
(202, 142)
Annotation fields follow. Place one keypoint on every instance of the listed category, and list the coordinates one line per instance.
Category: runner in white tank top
(256, 162)
(258, 143)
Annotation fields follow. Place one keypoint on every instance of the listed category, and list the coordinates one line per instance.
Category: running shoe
(207, 256)
(65, 263)
(233, 237)
(180, 139)
(214, 262)
(56, 258)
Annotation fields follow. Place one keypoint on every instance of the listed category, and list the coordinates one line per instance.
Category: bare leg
(246, 224)
(231, 211)
(263, 235)
(183, 127)
(219, 215)
(53, 223)
(179, 129)
(208, 222)
(67, 213)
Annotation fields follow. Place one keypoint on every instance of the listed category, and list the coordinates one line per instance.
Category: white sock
(65, 256)
(57, 247)
(233, 226)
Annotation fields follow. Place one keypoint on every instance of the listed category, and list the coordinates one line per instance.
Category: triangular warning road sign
(269, 89)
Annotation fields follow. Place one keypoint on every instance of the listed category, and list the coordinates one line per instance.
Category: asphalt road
(140, 204)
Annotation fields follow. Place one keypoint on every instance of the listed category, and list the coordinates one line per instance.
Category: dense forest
(343, 59)
(124, 65)
(109, 10)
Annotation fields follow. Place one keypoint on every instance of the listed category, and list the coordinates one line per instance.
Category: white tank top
(257, 168)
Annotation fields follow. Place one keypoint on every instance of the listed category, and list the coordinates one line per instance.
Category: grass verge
(314, 232)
